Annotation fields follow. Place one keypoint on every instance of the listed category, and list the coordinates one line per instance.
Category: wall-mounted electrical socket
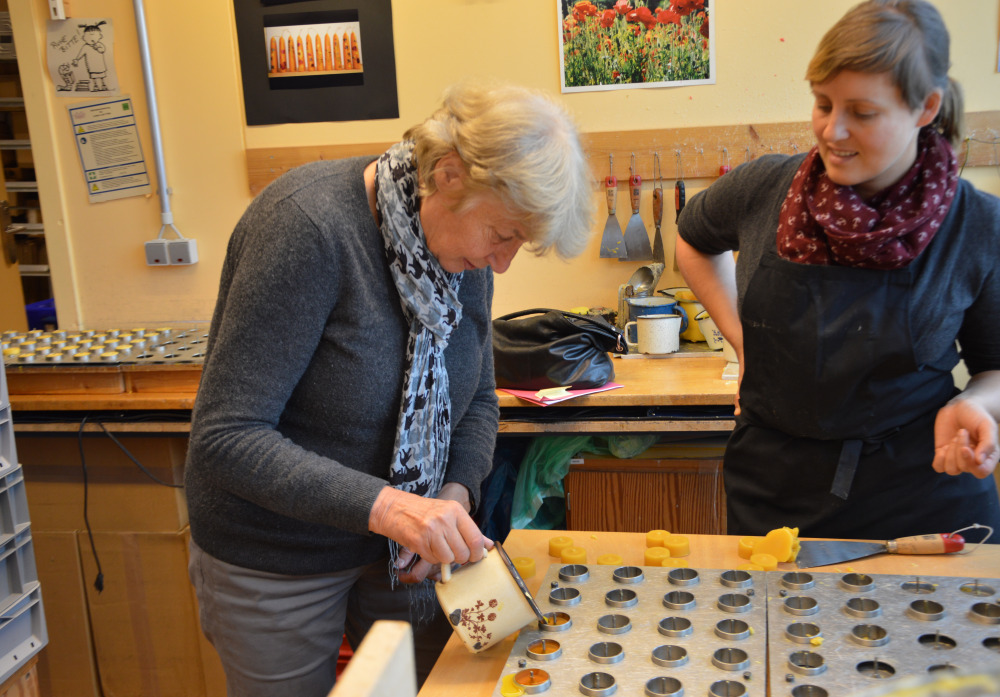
(156, 253)
(182, 251)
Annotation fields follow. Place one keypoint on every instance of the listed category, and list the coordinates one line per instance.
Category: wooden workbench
(459, 673)
(682, 380)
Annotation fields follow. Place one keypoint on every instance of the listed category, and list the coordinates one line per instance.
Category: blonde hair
(523, 146)
(905, 38)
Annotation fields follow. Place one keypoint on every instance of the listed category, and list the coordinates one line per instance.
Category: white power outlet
(182, 251)
(156, 253)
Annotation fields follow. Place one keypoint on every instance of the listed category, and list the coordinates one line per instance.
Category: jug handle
(684, 316)
(446, 568)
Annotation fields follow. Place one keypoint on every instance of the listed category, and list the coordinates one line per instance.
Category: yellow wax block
(746, 546)
(816, 641)
(777, 543)
(750, 567)
(609, 560)
(676, 563)
(654, 556)
(655, 538)
(766, 561)
(558, 544)
(574, 555)
(525, 566)
(678, 545)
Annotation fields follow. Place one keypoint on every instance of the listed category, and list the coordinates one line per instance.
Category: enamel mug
(483, 602)
(657, 333)
(707, 326)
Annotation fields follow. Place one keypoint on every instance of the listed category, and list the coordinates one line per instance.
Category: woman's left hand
(965, 439)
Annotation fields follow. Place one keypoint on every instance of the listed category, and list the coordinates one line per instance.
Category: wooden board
(697, 150)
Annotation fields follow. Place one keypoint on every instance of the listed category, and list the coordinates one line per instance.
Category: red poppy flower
(686, 7)
(644, 15)
(704, 27)
(584, 9)
(668, 16)
(608, 18)
(622, 7)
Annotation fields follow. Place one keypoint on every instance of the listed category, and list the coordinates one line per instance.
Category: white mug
(657, 333)
(483, 602)
(707, 326)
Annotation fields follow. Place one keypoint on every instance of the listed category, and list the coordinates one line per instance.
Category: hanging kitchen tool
(725, 167)
(657, 209)
(636, 238)
(612, 242)
(824, 552)
(679, 200)
(641, 284)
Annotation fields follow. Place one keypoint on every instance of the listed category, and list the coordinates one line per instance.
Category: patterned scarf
(828, 224)
(429, 297)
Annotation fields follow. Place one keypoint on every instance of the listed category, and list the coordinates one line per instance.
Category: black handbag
(540, 348)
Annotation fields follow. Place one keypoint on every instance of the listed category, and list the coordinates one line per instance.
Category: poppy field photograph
(616, 44)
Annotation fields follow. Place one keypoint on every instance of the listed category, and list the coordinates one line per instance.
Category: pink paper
(544, 400)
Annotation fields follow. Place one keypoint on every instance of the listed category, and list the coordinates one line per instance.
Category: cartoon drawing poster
(81, 57)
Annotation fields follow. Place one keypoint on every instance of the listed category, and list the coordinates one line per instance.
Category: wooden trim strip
(700, 148)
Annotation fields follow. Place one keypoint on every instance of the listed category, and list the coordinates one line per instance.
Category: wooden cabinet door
(638, 495)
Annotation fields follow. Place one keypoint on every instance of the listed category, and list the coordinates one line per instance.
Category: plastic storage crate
(22, 619)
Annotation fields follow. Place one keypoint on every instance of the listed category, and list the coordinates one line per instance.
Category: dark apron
(836, 431)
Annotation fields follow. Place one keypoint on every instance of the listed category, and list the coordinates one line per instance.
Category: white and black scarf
(429, 297)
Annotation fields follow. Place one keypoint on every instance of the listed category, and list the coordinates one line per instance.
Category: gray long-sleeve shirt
(295, 420)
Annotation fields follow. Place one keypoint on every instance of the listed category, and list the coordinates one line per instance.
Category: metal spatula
(612, 243)
(824, 552)
(657, 210)
(636, 238)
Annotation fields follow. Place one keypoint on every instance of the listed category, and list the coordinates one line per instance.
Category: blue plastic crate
(42, 314)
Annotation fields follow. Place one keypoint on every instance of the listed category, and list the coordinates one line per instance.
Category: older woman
(861, 264)
(347, 414)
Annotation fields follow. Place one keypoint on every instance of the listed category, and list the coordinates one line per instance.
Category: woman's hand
(965, 439)
(439, 530)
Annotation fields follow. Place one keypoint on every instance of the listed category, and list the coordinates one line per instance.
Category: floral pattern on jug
(474, 620)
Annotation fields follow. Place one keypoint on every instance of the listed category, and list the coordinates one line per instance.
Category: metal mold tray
(653, 630)
(663, 631)
(112, 347)
(877, 628)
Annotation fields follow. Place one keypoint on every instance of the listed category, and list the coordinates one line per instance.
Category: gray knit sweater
(955, 290)
(295, 420)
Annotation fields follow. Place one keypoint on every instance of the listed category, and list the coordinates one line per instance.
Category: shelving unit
(18, 184)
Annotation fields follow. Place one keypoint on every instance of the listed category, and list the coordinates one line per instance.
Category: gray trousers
(280, 635)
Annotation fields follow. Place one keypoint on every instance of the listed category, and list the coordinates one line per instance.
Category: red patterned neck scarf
(829, 224)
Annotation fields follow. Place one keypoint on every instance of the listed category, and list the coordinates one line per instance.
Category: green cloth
(539, 497)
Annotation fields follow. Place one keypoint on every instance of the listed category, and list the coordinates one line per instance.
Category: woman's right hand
(440, 531)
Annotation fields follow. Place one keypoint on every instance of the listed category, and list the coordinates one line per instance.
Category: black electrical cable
(99, 581)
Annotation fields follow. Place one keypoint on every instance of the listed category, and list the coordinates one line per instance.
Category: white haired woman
(347, 412)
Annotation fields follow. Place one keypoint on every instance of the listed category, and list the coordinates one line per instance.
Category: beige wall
(96, 250)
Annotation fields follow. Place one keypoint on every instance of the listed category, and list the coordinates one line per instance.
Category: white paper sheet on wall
(80, 53)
